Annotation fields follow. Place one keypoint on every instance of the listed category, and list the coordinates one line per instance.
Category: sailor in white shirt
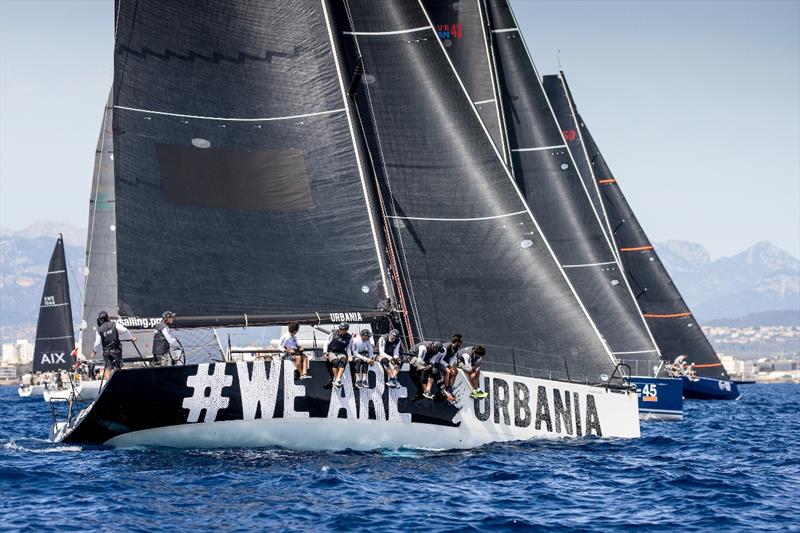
(291, 347)
(469, 359)
(428, 357)
(364, 356)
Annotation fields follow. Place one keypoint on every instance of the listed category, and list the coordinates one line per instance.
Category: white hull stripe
(55, 272)
(484, 101)
(505, 30)
(539, 149)
(640, 351)
(460, 219)
(589, 264)
(396, 32)
(55, 305)
(228, 119)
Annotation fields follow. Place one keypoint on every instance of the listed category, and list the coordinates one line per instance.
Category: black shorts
(338, 360)
(431, 372)
(113, 360)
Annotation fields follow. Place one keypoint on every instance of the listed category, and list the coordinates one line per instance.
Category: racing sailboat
(55, 337)
(330, 159)
(685, 350)
(488, 49)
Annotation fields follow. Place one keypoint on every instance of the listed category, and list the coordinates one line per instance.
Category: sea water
(727, 466)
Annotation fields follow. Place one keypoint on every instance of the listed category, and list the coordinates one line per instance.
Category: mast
(474, 257)
(548, 175)
(674, 327)
(55, 336)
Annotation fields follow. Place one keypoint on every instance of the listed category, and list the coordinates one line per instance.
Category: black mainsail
(674, 328)
(55, 337)
(547, 174)
(237, 184)
(100, 270)
(473, 258)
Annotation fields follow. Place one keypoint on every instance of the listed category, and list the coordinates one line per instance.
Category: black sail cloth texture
(461, 25)
(55, 336)
(670, 320)
(546, 173)
(100, 289)
(473, 260)
(237, 185)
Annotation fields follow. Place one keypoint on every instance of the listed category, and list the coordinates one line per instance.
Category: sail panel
(546, 171)
(475, 261)
(55, 337)
(100, 270)
(462, 27)
(237, 185)
(670, 320)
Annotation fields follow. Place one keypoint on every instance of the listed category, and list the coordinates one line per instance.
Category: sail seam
(229, 119)
(639, 351)
(54, 305)
(590, 264)
(493, 217)
(55, 272)
(636, 249)
(53, 338)
(395, 32)
(539, 148)
(505, 30)
(479, 102)
(673, 315)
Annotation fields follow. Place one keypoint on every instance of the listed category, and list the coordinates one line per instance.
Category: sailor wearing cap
(107, 340)
(389, 356)
(364, 356)
(428, 356)
(337, 349)
(163, 341)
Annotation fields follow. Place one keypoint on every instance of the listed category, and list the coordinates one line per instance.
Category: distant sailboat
(329, 158)
(55, 337)
(676, 332)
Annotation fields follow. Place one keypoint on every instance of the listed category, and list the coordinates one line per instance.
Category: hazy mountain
(761, 278)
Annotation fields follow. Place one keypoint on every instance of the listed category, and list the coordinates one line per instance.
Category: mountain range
(762, 278)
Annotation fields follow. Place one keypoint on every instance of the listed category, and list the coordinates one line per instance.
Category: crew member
(389, 357)
(428, 355)
(449, 365)
(337, 349)
(107, 340)
(163, 341)
(364, 356)
(291, 347)
(469, 359)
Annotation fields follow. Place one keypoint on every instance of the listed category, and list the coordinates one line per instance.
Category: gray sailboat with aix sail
(320, 161)
(683, 345)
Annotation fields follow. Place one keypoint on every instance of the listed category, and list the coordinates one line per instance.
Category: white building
(18, 353)
(9, 354)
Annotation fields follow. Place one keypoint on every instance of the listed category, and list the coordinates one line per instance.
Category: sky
(695, 105)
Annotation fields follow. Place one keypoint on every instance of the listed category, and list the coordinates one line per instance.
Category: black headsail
(100, 287)
(671, 321)
(472, 256)
(546, 172)
(237, 183)
(55, 336)
(461, 25)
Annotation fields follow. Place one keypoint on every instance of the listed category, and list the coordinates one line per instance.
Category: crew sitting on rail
(469, 359)
(107, 340)
(163, 341)
(428, 355)
(337, 349)
(363, 356)
(389, 357)
(449, 365)
(289, 345)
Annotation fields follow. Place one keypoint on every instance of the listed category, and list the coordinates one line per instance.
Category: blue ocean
(729, 466)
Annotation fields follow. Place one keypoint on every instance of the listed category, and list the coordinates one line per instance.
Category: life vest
(109, 337)
(339, 343)
(160, 343)
(389, 346)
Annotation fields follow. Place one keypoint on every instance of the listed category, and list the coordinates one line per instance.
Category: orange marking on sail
(636, 249)
(708, 365)
(674, 315)
(610, 180)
